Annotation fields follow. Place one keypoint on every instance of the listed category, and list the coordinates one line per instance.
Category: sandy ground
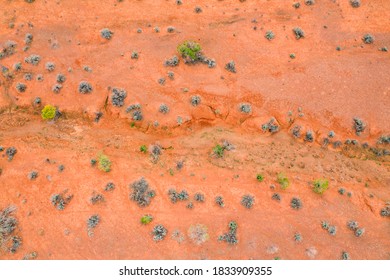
(321, 89)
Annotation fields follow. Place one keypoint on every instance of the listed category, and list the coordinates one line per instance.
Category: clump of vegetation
(109, 187)
(8, 224)
(296, 203)
(174, 61)
(309, 2)
(143, 149)
(16, 242)
(247, 201)
(219, 201)
(20, 87)
(104, 163)
(276, 197)
(106, 33)
(260, 177)
(358, 125)
(296, 5)
(163, 109)
(56, 88)
(345, 256)
(195, 100)
(11, 152)
(384, 139)
(32, 175)
(190, 205)
(368, 39)
(61, 200)
(146, 219)
(198, 234)
(61, 78)
(245, 108)
(190, 51)
(359, 232)
(231, 236)
(118, 97)
(231, 66)
(92, 223)
(155, 152)
(270, 126)
(296, 131)
(297, 237)
(141, 193)
(198, 9)
(96, 198)
(269, 35)
(85, 87)
(341, 191)
(50, 66)
(8, 49)
(17, 66)
(309, 137)
(33, 59)
(298, 33)
(283, 181)
(320, 186)
(159, 232)
(218, 151)
(174, 196)
(355, 3)
(199, 197)
(28, 76)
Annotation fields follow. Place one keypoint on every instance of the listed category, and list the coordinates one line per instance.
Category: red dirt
(332, 87)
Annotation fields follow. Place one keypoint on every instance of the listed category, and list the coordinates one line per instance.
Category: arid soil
(319, 83)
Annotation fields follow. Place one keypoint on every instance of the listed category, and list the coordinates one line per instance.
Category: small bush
(218, 151)
(61, 200)
(56, 88)
(345, 256)
(11, 152)
(17, 66)
(283, 181)
(320, 186)
(32, 175)
(174, 61)
(109, 187)
(198, 10)
(33, 59)
(20, 87)
(296, 203)
(163, 109)
(359, 232)
(8, 224)
(48, 112)
(245, 108)
(106, 33)
(260, 177)
(219, 201)
(92, 223)
(271, 126)
(96, 198)
(269, 35)
(141, 193)
(247, 201)
(297, 237)
(276, 197)
(104, 163)
(341, 191)
(118, 97)
(199, 197)
(358, 125)
(352, 225)
(50, 66)
(159, 232)
(61, 78)
(195, 100)
(143, 149)
(298, 33)
(231, 66)
(368, 39)
(155, 152)
(146, 219)
(189, 50)
(309, 137)
(332, 230)
(309, 2)
(85, 87)
(231, 236)
(28, 38)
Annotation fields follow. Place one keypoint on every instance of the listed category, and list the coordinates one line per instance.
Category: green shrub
(320, 186)
(143, 149)
(48, 112)
(218, 150)
(104, 163)
(260, 177)
(146, 219)
(283, 181)
(189, 49)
